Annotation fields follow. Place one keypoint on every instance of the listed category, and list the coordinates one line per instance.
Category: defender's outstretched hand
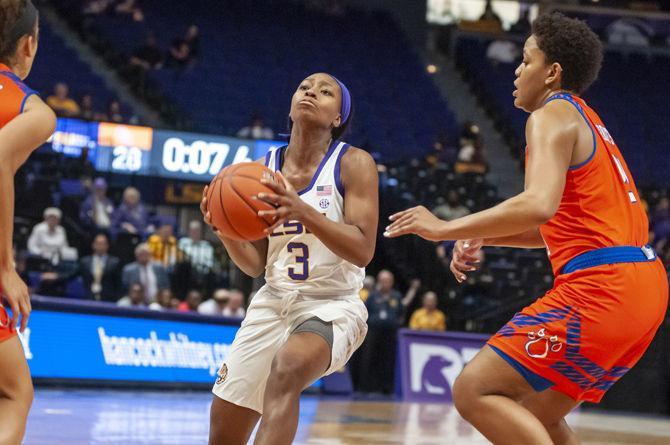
(418, 221)
(464, 258)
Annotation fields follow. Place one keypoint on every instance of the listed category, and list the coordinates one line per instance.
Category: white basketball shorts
(272, 316)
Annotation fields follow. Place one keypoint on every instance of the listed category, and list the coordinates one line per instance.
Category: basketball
(231, 204)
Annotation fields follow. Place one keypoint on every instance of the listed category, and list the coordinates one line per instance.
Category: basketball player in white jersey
(308, 319)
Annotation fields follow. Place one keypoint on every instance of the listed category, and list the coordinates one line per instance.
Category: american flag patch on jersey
(324, 190)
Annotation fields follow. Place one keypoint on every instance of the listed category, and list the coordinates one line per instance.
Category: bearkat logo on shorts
(222, 374)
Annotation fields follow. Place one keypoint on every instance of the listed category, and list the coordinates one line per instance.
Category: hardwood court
(88, 417)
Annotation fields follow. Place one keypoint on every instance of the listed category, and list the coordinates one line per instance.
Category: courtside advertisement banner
(64, 345)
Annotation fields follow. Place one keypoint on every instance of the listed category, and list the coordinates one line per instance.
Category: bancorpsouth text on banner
(431, 361)
(64, 345)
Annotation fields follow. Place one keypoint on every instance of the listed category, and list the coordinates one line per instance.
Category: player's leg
(551, 407)
(240, 384)
(487, 394)
(304, 358)
(16, 392)
(230, 424)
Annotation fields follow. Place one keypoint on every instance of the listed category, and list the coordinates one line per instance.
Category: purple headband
(345, 110)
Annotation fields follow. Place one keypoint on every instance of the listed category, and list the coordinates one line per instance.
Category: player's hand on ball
(15, 291)
(204, 210)
(206, 215)
(289, 205)
(464, 258)
(417, 220)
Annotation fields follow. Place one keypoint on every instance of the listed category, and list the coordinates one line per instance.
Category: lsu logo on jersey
(292, 228)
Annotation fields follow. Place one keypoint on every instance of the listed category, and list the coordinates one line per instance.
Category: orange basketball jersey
(600, 206)
(13, 95)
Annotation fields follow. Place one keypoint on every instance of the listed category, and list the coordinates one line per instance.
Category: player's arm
(249, 256)
(18, 138)
(355, 239)
(551, 133)
(530, 239)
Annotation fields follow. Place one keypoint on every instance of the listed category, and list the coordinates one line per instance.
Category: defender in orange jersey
(580, 202)
(25, 123)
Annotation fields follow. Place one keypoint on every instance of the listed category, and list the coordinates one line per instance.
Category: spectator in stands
(113, 113)
(163, 247)
(522, 26)
(489, 14)
(368, 287)
(629, 31)
(61, 103)
(130, 216)
(443, 151)
(165, 300)
(471, 151)
(96, 211)
(48, 239)
(152, 276)
(101, 272)
(385, 311)
(192, 39)
(193, 300)
(135, 298)
(452, 208)
(216, 304)
(428, 317)
(179, 55)
(96, 7)
(148, 56)
(197, 251)
(256, 129)
(235, 306)
(87, 112)
(503, 51)
(131, 8)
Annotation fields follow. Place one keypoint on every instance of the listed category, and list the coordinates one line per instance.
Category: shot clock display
(130, 149)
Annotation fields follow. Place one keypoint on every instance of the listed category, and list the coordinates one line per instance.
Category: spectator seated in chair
(97, 209)
(235, 306)
(216, 304)
(101, 272)
(135, 297)
(428, 317)
(152, 276)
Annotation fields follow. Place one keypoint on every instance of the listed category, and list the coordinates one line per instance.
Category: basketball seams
(244, 198)
(229, 211)
(223, 212)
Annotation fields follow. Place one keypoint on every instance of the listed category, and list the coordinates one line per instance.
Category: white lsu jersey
(297, 260)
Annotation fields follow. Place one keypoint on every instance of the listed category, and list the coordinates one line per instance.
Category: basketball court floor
(92, 417)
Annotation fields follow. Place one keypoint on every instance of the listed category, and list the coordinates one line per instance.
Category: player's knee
(22, 394)
(285, 376)
(465, 394)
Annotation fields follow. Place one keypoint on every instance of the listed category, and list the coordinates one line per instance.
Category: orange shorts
(589, 330)
(5, 331)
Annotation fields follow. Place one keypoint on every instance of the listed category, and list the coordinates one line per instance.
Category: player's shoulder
(355, 156)
(10, 82)
(556, 115)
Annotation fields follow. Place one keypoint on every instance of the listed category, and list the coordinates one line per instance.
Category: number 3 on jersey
(302, 259)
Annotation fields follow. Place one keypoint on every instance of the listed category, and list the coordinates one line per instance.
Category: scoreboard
(131, 149)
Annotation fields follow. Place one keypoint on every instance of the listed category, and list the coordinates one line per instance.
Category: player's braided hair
(10, 12)
(572, 44)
